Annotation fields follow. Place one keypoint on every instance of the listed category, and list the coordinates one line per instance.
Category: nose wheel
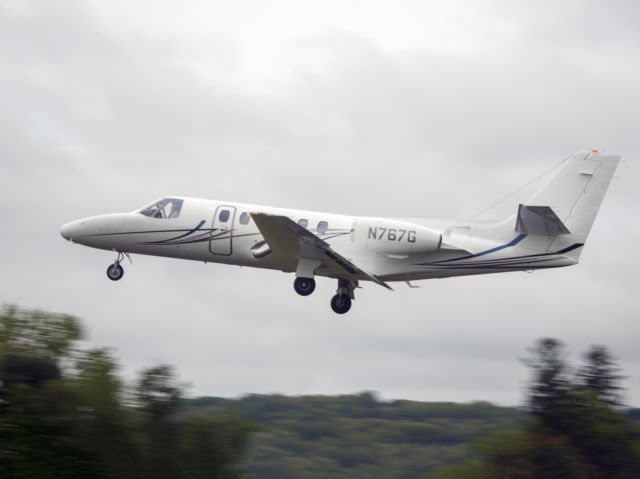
(304, 286)
(115, 271)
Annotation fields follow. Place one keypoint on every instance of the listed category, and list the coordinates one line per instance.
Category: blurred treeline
(574, 426)
(578, 426)
(358, 436)
(65, 412)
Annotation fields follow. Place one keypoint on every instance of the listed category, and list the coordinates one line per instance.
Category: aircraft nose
(70, 230)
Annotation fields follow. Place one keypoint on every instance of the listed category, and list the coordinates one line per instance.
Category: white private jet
(547, 231)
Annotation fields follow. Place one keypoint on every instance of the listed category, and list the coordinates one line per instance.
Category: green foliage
(578, 428)
(600, 375)
(214, 447)
(474, 469)
(37, 333)
(63, 412)
(550, 383)
(357, 436)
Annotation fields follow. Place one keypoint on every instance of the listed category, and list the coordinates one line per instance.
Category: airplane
(547, 231)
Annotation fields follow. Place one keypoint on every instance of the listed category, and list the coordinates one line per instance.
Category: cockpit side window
(164, 208)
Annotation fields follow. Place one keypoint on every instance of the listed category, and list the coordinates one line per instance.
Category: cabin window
(223, 217)
(323, 226)
(164, 208)
(304, 223)
(245, 218)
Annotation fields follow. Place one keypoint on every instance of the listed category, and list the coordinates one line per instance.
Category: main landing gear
(304, 286)
(340, 303)
(115, 272)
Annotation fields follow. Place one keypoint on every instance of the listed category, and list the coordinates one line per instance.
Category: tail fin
(574, 194)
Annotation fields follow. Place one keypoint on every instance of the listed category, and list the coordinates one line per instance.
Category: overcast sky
(404, 108)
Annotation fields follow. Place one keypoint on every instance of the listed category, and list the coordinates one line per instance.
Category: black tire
(340, 303)
(115, 272)
(304, 286)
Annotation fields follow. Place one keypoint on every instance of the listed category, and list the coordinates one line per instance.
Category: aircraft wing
(288, 239)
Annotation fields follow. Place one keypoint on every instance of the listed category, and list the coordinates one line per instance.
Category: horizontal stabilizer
(539, 220)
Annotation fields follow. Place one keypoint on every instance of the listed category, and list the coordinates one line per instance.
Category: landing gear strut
(304, 286)
(341, 302)
(115, 271)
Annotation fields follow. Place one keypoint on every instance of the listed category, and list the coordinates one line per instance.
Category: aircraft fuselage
(548, 231)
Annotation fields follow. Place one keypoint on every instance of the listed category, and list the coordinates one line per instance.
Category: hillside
(65, 412)
(357, 436)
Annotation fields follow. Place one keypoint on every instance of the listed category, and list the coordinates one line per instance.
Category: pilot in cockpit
(164, 208)
(175, 210)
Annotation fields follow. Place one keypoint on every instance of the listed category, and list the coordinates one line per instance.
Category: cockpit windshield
(164, 208)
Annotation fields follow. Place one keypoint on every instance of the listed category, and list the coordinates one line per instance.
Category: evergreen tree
(601, 376)
(550, 384)
(578, 428)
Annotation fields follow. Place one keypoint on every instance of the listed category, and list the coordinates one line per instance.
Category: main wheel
(341, 303)
(115, 272)
(304, 286)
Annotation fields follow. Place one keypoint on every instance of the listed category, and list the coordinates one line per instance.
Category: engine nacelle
(385, 236)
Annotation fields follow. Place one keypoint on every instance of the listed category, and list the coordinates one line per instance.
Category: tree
(157, 397)
(600, 375)
(63, 412)
(107, 434)
(550, 383)
(38, 333)
(38, 408)
(214, 447)
(577, 429)
(582, 412)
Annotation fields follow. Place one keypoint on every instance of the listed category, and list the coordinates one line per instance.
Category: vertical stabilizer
(575, 194)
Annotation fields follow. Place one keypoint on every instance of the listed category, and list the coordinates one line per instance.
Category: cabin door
(222, 235)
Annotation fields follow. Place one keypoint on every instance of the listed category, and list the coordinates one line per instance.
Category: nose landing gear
(115, 271)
